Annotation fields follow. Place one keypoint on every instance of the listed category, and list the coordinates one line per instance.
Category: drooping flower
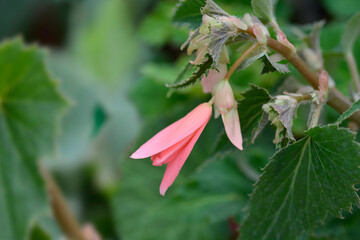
(173, 145)
(226, 105)
(232, 127)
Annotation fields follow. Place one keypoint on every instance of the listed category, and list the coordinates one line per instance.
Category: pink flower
(173, 145)
(226, 105)
(232, 127)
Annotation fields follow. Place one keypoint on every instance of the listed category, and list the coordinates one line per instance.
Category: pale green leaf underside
(29, 108)
(302, 183)
(264, 8)
(351, 32)
(354, 108)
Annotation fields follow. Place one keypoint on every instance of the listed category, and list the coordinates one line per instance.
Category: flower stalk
(241, 59)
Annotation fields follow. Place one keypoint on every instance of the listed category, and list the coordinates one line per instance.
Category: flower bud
(323, 85)
(207, 20)
(281, 37)
(224, 56)
(200, 55)
(223, 96)
(194, 44)
(261, 33)
(248, 20)
(233, 23)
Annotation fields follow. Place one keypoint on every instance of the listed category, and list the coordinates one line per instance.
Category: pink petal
(170, 153)
(208, 82)
(175, 132)
(173, 168)
(232, 127)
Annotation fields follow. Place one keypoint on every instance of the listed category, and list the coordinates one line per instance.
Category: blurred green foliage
(112, 59)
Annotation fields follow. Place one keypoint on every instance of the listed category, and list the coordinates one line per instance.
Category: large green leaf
(188, 13)
(250, 111)
(29, 110)
(303, 183)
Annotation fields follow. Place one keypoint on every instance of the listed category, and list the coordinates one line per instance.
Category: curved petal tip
(232, 127)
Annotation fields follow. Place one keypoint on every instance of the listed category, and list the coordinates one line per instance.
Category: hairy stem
(62, 213)
(336, 99)
(354, 71)
(241, 59)
(316, 115)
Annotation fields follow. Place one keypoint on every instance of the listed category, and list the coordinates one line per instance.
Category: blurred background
(112, 59)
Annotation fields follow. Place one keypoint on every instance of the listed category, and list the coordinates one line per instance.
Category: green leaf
(353, 109)
(314, 37)
(351, 32)
(285, 107)
(30, 105)
(272, 66)
(250, 60)
(304, 182)
(202, 69)
(250, 110)
(38, 233)
(188, 13)
(218, 39)
(264, 9)
(212, 9)
(198, 210)
(104, 44)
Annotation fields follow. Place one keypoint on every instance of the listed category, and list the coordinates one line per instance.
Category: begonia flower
(226, 105)
(172, 145)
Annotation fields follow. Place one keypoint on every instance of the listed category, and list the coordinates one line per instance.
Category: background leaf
(199, 209)
(29, 114)
(188, 13)
(351, 32)
(264, 9)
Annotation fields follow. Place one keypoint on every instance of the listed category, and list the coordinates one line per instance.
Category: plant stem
(62, 213)
(241, 59)
(316, 115)
(336, 99)
(353, 69)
